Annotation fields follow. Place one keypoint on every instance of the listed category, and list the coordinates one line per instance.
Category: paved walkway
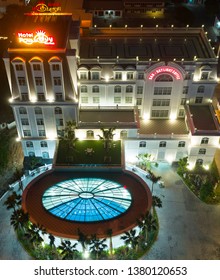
(189, 229)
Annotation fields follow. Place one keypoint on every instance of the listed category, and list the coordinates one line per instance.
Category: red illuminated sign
(43, 8)
(165, 69)
(39, 37)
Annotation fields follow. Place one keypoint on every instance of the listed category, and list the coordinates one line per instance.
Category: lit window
(117, 99)
(89, 133)
(159, 113)
(162, 90)
(161, 102)
(139, 101)
(204, 75)
(96, 99)
(84, 99)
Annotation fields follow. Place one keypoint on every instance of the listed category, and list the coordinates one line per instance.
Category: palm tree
(130, 238)
(146, 224)
(13, 201)
(97, 246)
(52, 240)
(33, 233)
(154, 179)
(68, 250)
(83, 240)
(19, 219)
(107, 136)
(157, 202)
(109, 233)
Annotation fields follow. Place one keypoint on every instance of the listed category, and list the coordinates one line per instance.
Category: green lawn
(99, 155)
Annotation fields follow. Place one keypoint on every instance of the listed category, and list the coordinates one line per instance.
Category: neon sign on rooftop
(165, 69)
(39, 37)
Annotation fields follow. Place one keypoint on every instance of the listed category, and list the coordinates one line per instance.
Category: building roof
(103, 5)
(163, 128)
(107, 117)
(146, 43)
(201, 120)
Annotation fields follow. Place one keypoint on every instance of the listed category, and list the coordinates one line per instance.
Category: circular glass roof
(87, 199)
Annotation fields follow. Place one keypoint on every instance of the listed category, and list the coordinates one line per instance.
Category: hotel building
(154, 85)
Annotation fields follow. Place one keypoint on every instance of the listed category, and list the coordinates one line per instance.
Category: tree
(107, 137)
(154, 179)
(182, 165)
(83, 240)
(69, 134)
(147, 161)
(13, 201)
(68, 251)
(130, 238)
(97, 246)
(146, 224)
(33, 234)
(109, 233)
(157, 202)
(52, 240)
(19, 219)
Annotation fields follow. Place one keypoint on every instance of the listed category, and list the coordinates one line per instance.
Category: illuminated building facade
(154, 85)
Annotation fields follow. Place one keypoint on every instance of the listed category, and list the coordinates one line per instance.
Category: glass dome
(87, 199)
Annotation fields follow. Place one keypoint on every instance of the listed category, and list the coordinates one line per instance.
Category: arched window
(95, 89)
(201, 89)
(202, 151)
(45, 155)
(164, 78)
(38, 111)
(142, 144)
(181, 144)
(31, 154)
(199, 161)
(90, 134)
(43, 144)
(83, 88)
(58, 111)
(117, 89)
(129, 89)
(22, 110)
(29, 144)
(162, 144)
(205, 140)
(123, 134)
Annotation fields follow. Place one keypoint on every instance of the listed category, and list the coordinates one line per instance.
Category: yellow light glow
(10, 100)
(50, 99)
(33, 99)
(107, 78)
(172, 117)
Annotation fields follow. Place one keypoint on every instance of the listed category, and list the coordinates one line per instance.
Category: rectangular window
(198, 99)
(41, 133)
(162, 90)
(40, 96)
(118, 75)
(24, 96)
(21, 81)
(130, 76)
(183, 101)
(185, 89)
(161, 102)
(24, 122)
(140, 76)
(40, 122)
(159, 113)
(128, 99)
(57, 81)
(38, 81)
(27, 133)
(59, 122)
(58, 96)
(19, 67)
(95, 75)
(117, 99)
(181, 113)
(55, 67)
(36, 67)
(95, 89)
(83, 76)
(96, 99)
(84, 99)
(204, 75)
(140, 90)
(139, 101)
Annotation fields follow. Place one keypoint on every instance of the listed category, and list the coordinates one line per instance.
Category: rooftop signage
(43, 8)
(39, 37)
(165, 70)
